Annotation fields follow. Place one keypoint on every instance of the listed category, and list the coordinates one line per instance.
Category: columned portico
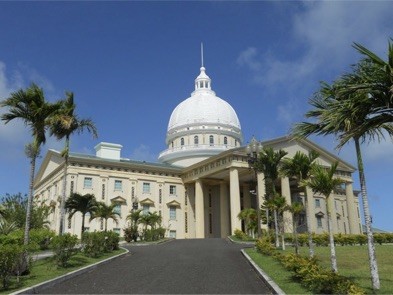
(199, 211)
(235, 199)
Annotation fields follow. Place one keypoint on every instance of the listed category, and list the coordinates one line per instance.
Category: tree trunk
(367, 218)
(63, 193)
(333, 258)
(294, 222)
(29, 201)
(309, 233)
(276, 229)
(83, 224)
(106, 224)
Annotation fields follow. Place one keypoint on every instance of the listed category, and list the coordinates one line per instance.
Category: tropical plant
(349, 116)
(81, 203)
(299, 167)
(323, 181)
(131, 232)
(63, 124)
(268, 162)
(296, 209)
(105, 212)
(31, 107)
(249, 216)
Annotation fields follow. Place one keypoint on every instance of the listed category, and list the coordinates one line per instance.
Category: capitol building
(201, 182)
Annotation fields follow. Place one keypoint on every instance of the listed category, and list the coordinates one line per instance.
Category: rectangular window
(172, 189)
(146, 208)
(117, 209)
(317, 203)
(117, 230)
(87, 182)
(319, 221)
(146, 188)
(172, 213)
(172, 234)
(118, 185)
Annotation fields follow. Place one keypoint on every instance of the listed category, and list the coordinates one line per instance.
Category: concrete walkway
(208, 266)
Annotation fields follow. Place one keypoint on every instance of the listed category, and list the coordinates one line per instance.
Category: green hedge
(96, 243)
(39, 238)
(309, 273)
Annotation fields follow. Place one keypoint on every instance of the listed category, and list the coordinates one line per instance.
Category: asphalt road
(203, 266)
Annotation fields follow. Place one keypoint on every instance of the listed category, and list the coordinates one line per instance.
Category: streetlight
(253, 149)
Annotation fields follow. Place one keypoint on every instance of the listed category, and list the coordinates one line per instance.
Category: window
(160, 196)
(317, 203)
(185, 222)
(103, 192)
(172, 234)
(88, 182)
(117, 209)
(211, 140)
(146, 209)
(117, 230)
(182, 141)
(146, 188)
(319, 221)
(196, 139)
(172, 189)
(172, 213)
(225, 140)
(118, 185)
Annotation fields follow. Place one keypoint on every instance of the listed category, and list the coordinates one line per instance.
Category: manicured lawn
(277, 273)
(45, 269)
(352, 262)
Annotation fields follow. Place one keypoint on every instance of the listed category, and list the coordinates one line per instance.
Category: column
(333, 215)
(234, 199)
(261, 193)
(286, 193)
(353, 219)
(224, 210)
(199, 211)
(310, 210)
(246, 196)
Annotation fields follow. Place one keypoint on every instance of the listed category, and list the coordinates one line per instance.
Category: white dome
(203, 107)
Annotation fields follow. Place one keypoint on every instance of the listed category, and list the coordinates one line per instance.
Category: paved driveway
(209, 266)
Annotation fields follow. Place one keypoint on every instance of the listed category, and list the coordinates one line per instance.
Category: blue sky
(130, 63)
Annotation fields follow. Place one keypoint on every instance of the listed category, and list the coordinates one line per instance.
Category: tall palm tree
(81, 203)
(62, 125)
(134, 217)
(105, 212)
(31, 107)
(299, 167)
(268, 162)
(323, 181)
(347, 117)
(280, 205)
(296, 208)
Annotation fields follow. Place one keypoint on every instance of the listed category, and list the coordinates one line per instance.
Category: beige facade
(199, 201)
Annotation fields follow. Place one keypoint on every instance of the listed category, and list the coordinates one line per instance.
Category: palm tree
(296, 208)
(62, 125)
(268, 162)
(348, 117)
(323, 181)
(31, 107)
(81, 203)
(105, 212)
(134, 217)
(299, 167)
(280, 205)
(249, 215)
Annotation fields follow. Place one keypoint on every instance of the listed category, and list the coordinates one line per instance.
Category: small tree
(105, 212)
(81, 203)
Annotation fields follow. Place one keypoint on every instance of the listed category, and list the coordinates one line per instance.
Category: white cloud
(142, 153)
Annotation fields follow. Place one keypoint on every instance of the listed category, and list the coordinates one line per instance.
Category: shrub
(41, 237)
(93, 244)
(240, 235)
(64, 247)
(265, 246)
(11, 257)
(131, 234)
(111, 241)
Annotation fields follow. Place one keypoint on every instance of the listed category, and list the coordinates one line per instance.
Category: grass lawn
(249, 239)
(352, 262)
(45, 269)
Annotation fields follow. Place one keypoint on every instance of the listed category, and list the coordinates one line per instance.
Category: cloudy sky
(130, 63)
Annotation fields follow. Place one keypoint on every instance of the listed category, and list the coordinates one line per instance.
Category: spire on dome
(202, 82)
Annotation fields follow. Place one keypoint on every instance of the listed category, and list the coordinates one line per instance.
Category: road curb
(269, 282)
(37, 288)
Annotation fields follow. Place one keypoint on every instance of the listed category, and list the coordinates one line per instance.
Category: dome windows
(182, 141)
(196, 140)
(211, 140)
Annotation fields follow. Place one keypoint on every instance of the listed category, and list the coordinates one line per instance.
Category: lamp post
(253, 149)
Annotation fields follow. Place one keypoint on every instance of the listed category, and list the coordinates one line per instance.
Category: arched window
(182, 141)
(196, 140)
(225, 140)
(211, 140)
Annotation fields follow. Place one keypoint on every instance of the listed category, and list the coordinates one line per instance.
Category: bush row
(132, 234)
(96, 243)
(39, 238)
(309, 273)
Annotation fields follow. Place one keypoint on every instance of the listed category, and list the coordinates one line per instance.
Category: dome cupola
(201, 126)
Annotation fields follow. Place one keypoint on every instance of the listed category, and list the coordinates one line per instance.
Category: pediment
(174, 204)
(119, 199)
(52, 161)
(147, 201)
(320, 214)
